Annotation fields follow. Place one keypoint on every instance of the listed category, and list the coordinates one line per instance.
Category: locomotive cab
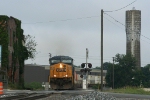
(61, 72)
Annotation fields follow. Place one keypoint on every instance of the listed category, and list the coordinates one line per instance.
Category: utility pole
(86, 68)
(50, 55)
(113, 72)
(102, 50)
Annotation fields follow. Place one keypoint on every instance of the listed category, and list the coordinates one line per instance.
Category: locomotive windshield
(66, 61)
(63, 59)
(55, 61)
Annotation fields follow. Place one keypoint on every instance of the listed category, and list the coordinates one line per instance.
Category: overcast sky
(68, 27)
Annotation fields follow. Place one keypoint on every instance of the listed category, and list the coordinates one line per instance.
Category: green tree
(30, 45)
(106, 65)
(109, 76)
(123, 71)
(146, 75)
(138, 78)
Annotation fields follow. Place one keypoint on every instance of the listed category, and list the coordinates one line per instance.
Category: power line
(123, 24)
(114, 19)
(122, 7)
(113, 23)
(62, 20)
(146, 37)
(145, 41)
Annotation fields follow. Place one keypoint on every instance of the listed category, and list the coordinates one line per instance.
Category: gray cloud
(72, 37)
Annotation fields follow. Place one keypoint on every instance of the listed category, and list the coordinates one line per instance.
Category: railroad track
(28, 96)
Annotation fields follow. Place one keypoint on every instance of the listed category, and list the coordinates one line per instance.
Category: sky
(68, 27)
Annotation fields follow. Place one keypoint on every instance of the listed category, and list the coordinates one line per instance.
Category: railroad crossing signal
(85, 70)
(89, 65)
(81, 76)
(83, 65)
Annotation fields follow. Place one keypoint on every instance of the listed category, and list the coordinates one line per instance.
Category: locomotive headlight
(60, 65)
(66, 75)
(54, 75)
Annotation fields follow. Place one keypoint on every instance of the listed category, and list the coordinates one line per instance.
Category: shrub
(14, 86)
(96, 86)
(33, 86)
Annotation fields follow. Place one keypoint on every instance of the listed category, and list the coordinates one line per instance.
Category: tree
(123, 71)
(106, 65)
(109, 75)
(146, 75)
(138, 78)
(30, 45)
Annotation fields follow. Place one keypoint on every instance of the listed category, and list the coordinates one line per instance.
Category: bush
(14, 86)
(96, 86)
(33, 86)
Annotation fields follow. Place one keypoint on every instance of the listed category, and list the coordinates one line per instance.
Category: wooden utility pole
(113, 72)
(102, 50)
(86, 68)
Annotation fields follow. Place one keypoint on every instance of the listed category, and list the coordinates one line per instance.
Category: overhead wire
(146, 37)
(79, 17)
(123, 25)
(122, 7)
(62, 20)
(114, 19)
(145, 41)
(112, 22)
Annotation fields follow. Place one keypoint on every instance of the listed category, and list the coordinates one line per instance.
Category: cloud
(58, 29)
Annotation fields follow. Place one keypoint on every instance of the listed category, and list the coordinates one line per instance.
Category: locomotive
(61, 75)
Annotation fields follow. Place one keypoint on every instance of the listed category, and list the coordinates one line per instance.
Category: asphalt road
(80, 91)
(135, 96)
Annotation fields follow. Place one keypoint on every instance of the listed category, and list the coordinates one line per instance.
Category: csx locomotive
(61, 72)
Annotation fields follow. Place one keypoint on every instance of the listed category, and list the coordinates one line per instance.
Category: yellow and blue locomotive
(61, 72)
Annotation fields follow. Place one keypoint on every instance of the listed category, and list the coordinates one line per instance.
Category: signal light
(89, 65)
(89, 70)
(81, 70)
(86, 69)
(81, 76)
(83, 65)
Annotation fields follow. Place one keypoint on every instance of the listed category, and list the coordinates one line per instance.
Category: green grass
(34, 86)
(130, 90)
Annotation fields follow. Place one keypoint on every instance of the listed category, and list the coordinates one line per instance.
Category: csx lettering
(61, 69)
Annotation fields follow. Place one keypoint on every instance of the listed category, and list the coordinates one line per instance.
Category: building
(36, 73)
(11, 40)
(133, 32)
(40, 74)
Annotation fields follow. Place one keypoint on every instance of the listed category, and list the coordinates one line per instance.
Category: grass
(34, 86)
(130, 90)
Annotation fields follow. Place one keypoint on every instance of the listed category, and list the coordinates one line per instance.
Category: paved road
(117, 95)
(135, 96)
